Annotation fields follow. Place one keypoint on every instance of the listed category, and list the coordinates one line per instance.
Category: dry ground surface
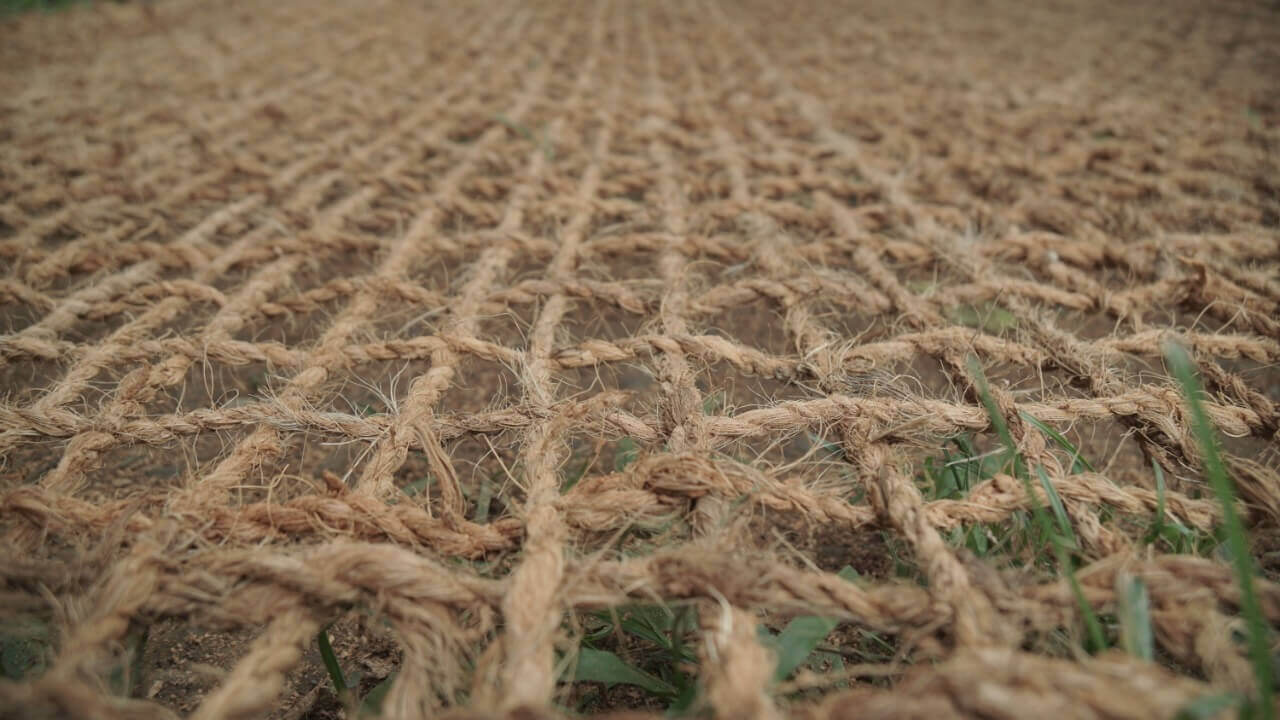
(576, 357)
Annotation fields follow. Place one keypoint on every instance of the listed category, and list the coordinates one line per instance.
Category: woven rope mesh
(460, 328)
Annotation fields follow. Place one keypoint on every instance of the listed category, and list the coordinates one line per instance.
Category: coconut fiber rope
(460, 328)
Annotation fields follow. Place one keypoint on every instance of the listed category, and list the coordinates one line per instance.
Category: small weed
(606, 667)
(952, 475)
(1061, 539)
(650, 650)
(661, 659)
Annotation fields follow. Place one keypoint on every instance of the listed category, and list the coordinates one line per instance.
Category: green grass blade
(331, 665)
(1097, 639)
(1206, 436)
(968, 451)
(605, 667)
(1077, 459)
(1059, 510)
(1135, 618)
(1011, 448)
(1157, 527)
(1179, 537)
(997, 420)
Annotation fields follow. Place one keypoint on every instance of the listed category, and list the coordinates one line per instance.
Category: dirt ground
(449, 329)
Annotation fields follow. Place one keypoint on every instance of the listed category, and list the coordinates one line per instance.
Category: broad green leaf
(684, 700)
(797, 641)
(978, 536)
(801, 636)
(605, 667)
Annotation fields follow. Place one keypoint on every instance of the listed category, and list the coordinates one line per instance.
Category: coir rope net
(472, 324)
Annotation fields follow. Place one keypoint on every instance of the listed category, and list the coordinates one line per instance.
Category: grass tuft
(658, 658)
(1062, 541)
